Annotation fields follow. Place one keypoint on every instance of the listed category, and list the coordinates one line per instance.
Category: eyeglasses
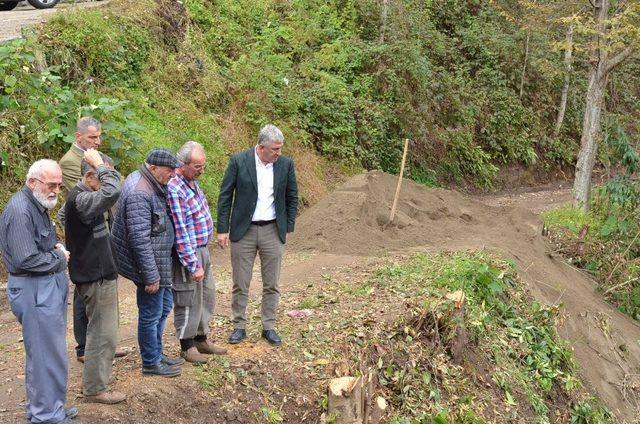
(50, 186)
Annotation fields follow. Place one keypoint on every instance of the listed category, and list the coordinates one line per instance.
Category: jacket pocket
(184, 294)
(158, 223)
(44, 235)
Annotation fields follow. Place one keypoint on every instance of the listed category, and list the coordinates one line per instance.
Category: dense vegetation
(450, 75)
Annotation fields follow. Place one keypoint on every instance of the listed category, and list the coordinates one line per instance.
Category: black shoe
(161, 369)
(237, 335)
(272, 337)
(172, 362)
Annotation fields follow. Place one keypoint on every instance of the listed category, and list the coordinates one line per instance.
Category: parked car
(38, 4)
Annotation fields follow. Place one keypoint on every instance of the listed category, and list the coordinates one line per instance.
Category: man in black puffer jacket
(143, 236)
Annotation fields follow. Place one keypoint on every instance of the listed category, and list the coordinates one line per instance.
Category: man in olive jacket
(259, 197)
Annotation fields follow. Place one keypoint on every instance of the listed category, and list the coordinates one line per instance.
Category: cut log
(379, 409)
(345, 400)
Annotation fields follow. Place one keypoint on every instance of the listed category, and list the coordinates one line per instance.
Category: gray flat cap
(162, 157)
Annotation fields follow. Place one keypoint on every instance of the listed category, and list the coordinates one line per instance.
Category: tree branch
(616, 60)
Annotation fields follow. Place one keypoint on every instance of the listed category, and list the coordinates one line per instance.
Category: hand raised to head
(93, 158)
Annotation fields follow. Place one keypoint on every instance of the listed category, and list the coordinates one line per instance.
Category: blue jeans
(153, 310)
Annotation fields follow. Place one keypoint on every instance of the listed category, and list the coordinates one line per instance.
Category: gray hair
(37, 169)
(185, 152)
(86, 122)
(269, 134)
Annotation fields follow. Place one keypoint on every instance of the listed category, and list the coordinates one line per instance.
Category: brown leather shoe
(209, 348)
(108, 398)
(192, 355)
(80, 359)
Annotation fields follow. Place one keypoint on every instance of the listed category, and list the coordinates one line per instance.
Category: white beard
(47, 202)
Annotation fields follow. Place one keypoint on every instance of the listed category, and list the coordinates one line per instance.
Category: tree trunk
(589, 140)
(524, 66)
(602, 63)
(567, 79)
(593, 110)
(383, 19)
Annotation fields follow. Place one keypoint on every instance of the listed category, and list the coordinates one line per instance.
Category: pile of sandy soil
(354, 220)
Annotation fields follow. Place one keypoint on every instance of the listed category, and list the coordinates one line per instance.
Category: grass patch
(400, 321)
(605, 243)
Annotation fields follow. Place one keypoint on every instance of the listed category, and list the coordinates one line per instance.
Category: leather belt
(30, 274)
(263, 223)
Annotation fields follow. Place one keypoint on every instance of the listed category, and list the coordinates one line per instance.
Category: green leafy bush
(106, 48)
(39, 112)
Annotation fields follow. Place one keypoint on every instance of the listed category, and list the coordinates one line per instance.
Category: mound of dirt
(354, 220)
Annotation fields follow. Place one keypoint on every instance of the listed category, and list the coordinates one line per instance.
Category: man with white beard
(37, 291)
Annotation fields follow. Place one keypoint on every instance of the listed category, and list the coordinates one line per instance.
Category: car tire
(8, 5)
(43, 4)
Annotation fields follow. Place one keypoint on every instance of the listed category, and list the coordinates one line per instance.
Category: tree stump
(378, 410)
(345, 400)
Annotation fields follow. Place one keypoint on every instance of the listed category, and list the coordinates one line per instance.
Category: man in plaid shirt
(194, 291)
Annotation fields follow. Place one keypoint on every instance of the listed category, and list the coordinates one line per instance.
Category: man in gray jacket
(93, 270)
(143, 237)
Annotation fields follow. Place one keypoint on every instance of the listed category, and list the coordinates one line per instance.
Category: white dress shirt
(266, 206)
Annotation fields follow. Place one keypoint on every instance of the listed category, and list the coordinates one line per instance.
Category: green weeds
(507, 336)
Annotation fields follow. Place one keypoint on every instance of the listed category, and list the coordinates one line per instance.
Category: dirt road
(12, 22)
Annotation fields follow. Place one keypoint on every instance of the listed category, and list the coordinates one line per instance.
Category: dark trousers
(153, 310)
(80, 322)
(40, 305)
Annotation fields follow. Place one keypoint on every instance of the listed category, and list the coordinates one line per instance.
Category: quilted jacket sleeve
(139, 211)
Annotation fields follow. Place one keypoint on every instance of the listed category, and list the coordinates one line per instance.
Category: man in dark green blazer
(259, 197)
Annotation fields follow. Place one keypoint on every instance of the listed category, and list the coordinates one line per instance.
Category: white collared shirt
(266, 206)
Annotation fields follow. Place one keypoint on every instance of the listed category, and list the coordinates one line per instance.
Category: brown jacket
(70, 165)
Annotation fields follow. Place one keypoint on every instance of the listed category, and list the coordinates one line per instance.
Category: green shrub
(106, 48)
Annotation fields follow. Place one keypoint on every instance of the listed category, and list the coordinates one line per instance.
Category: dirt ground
(341, 237)
(12, 22)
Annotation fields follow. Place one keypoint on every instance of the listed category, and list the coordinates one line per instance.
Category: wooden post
(395, 199)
